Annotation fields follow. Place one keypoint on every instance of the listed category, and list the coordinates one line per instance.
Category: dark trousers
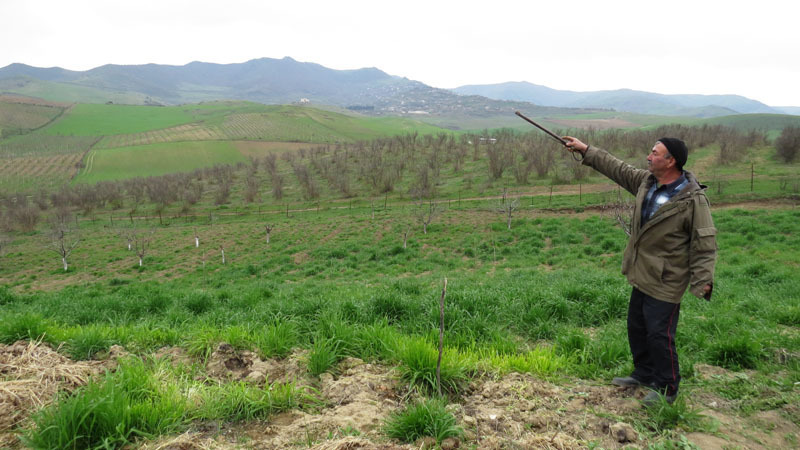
(651, 335)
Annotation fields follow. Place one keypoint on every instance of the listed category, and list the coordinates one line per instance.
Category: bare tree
(271, 163)
(523, 166)
(277, 186)
(223, 193)
(251, 186)
(622, 212)
(5, 242)
(507, 205)
(41, 200)
(63, 238)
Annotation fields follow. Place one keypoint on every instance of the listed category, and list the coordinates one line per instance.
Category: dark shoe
(654, 398)
(627, 381)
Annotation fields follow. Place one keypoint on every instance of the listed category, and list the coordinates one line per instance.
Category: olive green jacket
(677, 246)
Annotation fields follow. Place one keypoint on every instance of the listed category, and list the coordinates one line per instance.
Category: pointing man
(672, 246)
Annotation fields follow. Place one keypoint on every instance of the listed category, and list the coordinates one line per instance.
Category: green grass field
(99, 120)
(339, 284)
(156, 159)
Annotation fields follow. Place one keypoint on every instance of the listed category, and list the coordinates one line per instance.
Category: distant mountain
(367, 91)
(621, 100)
(266, 80)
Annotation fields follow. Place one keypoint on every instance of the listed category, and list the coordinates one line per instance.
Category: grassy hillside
(100, 120)
(49, 157)
(156, 159)
(544, 301)
(21, 115)
(68, 92)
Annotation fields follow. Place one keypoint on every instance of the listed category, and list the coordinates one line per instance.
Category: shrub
(736, 352)
(277, 339)
(425, 418)
(664, 416)
(241, 401)
(25, 326)
(419, 367)
(87, 341)
(788, 144)
(324, 354)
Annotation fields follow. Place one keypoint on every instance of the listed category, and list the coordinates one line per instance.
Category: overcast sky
(670, 47)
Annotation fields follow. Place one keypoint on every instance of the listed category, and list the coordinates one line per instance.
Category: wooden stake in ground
(441, 339)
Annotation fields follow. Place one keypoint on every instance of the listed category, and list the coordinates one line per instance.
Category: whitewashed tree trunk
(129, 246)
(223, 257)
(140, 262)
(267, 238)
(64, 260)
(196, 242)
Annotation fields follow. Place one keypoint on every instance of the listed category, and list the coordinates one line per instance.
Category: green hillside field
(156, 159)
(344, 287)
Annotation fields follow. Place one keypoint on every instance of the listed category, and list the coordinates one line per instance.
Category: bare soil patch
(512, 411)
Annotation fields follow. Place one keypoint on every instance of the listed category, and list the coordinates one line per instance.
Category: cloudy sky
(671, 47)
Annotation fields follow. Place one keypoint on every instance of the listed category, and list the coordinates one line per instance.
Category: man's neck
(669, 177)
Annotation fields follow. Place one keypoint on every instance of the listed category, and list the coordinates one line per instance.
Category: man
(672, 246)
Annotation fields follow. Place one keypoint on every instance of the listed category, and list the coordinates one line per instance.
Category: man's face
(659, 160)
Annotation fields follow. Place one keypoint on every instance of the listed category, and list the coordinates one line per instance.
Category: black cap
(676, 148)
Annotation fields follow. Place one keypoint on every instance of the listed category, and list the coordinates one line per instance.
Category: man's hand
(575, 145)
(707, 290)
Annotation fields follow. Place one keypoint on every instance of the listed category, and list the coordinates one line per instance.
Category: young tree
(425, 211)
(507, 205)
(268, 229)
(406, 228)
(127, 235)
(142, 239)
(63, 238)
(196, 238)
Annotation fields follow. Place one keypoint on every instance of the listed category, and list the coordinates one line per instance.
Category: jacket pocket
(705, 239)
